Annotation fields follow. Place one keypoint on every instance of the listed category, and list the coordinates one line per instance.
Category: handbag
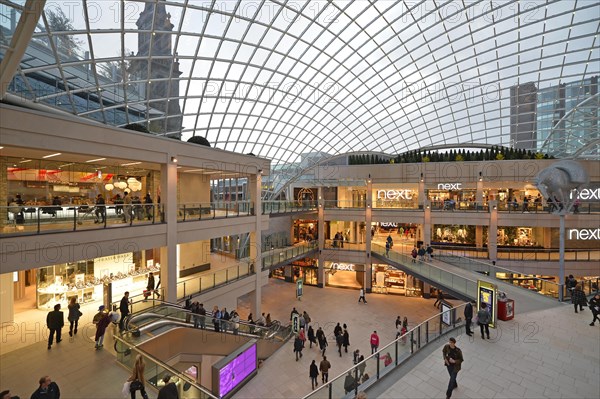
(126, 390)
(135, 385)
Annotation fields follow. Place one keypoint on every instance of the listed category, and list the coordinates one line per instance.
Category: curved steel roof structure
(281, 78)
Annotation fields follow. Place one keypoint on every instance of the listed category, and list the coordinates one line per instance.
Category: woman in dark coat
(311, 336)
(578, 298)
(313, 374)
(346, 340)
(101, 329)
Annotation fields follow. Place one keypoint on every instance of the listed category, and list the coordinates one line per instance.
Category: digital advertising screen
(487, 293)
(237, 370)
(446, 313)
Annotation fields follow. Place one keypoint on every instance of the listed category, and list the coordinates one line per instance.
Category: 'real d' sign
(583, 234)
(390, 195)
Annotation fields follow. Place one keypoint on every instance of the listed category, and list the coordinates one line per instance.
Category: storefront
(352, 232)
(405, 195)
(509, 236)
(86, 280)
(305, 230)
(305, 269)
(389, 280)
(455, 234)
(344, 275)
(452, 195)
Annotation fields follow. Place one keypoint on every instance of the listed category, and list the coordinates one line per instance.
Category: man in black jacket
(468, 318)
(47, 389)
(124, 309)
(55, 322)
(169, 391)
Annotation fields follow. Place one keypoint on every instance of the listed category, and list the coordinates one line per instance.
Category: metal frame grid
(284, 78)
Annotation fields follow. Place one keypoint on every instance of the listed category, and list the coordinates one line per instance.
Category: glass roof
(284, 78)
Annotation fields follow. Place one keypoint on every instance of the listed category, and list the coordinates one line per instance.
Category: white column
(368, 219)
(257, 244)
(168, 258)
(7, 313)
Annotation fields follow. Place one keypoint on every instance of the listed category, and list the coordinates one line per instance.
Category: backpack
(414, 253)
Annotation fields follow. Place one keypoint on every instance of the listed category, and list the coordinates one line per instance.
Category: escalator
(164, 317)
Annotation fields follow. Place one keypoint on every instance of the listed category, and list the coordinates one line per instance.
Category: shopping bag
(125, 392)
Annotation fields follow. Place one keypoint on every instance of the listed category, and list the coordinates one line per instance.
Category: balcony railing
(274, 207)
(345, 245)
(462, 206)
(194, 211)
(281, 255)
(42, 219)
(344, 204)
(208, 281)
(387, 359)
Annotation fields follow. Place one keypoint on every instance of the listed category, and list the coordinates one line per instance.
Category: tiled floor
(551, 353)
(546, 353)
(83, 372)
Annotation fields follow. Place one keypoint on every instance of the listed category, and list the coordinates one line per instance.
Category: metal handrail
(163, 365)
(456, 323)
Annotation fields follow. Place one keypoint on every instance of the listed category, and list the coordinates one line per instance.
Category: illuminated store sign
(449, 186)
(584, 234)
(343, 267)
(388, 224)
(587, 194)
(390, 195)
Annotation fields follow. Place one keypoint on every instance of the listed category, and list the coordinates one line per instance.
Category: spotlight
(174, 159)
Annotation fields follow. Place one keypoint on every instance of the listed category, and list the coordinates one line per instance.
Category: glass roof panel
(328, 76)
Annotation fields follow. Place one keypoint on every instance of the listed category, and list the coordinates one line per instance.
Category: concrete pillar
(479, 194)
(368, 219)
(168, 256)
(547, 233)
(255, 183)
(7, 313)
(3, 194)
(321, 240)
(493, 231)
(479, 236)
(427, 223)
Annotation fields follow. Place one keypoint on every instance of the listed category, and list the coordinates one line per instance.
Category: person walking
(298, 347)
(346, 340)
(483, 319)
(48, 389)
(361, 295)
(387, 249)
(101, 320)
(324, 367)
(149, 206)
(311, 337)
(578, 298)
(138, 382)
(429, 252)
(374, 342)
(322, 341)
(169, 390)
(127, 214)
(421, 253)
(313, 373)
(74, 315)
(339, 341)
(594, 305)
(440, 298)
(453, 359)
(349, 383)
(468, 317)
(124, 309)
(100, 211)
(414, 254)
(55, 320)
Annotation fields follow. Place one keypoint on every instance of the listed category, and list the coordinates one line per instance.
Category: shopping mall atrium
(262, 156)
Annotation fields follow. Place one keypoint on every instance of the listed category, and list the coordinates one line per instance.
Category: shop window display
(85, 280)
(388, 280)
(454, 234)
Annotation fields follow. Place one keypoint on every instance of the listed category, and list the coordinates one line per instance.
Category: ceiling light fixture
(95, 160)
(193, 170)
(25, 161)
(130, 163)
(52, 155)
(174, 159)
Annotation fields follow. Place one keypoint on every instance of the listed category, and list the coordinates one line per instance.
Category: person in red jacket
(374, 342)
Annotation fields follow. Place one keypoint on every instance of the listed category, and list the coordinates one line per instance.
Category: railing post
(38, 220)
(427, 331)
(153, 215)
(396, 345)
(419, 337)
(330, 389)
(184, 212)
(226, 275)
(74, 218)
(412, 340)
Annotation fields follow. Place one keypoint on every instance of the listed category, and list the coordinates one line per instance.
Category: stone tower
(154, 40)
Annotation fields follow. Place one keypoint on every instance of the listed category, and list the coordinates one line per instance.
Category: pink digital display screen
(237, 370)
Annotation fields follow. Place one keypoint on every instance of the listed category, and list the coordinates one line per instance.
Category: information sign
(487, 293)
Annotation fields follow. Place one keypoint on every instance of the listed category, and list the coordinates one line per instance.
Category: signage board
(299, 285)
(446, 315)
(295, 323)
(449, 186)
(487, 293)
(393, 195)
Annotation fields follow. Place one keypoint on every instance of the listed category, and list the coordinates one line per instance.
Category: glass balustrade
(366, 373)
(207, 281)
(274, 207)
(281, 255)
(34, 219)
